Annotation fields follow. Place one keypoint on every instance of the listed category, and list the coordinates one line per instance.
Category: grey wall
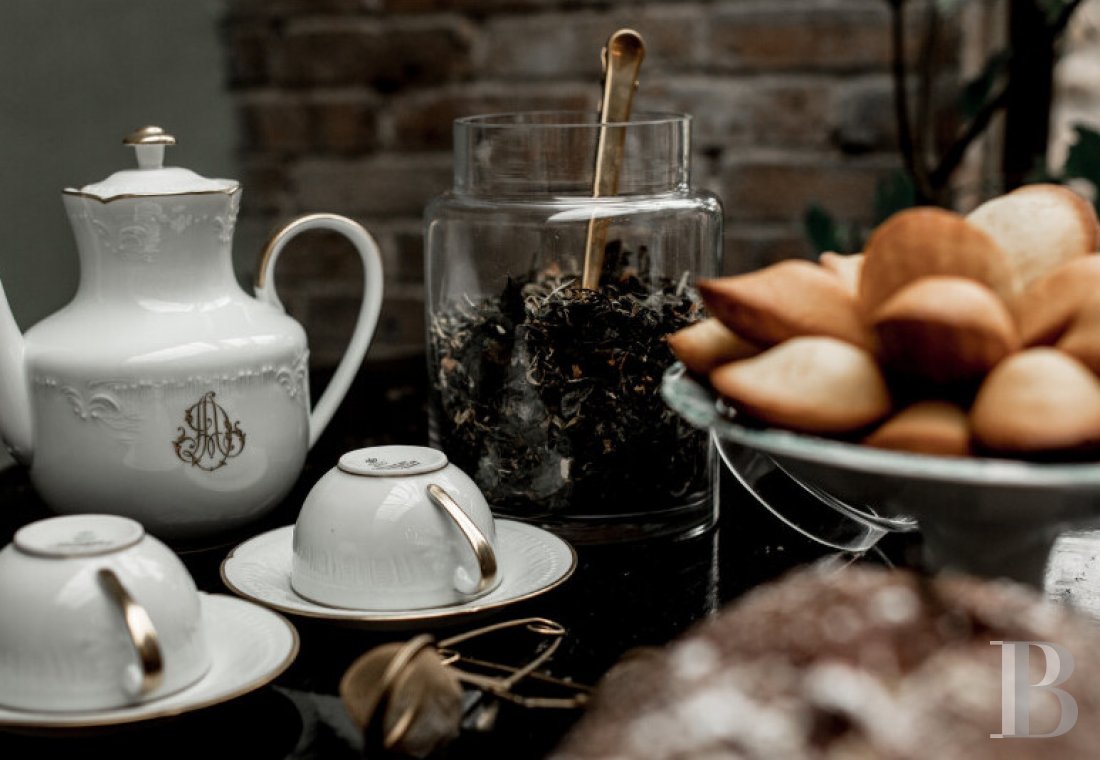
(75, 77)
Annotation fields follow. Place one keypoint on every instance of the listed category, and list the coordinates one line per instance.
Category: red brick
(799, 35)
(406, 255)
(470, 7)
(276, 124)
(780, 186)
(748, 247)
(248, 52)
(401, 330)
(292, 123)
(266, 186)
(559, 45)
(254, 8)
(720, 107)
(344, 122)
(389, 185)
(366, 52)
(319, 255)
(423, 120)
(862, 117)
(332, 316)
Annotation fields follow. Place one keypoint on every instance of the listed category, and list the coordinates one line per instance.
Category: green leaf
(1083, 158)
(823, 231)
(893, 193)
(976, 92)
(1053, 9)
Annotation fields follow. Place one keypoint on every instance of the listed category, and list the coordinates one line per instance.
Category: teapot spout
(15, 403)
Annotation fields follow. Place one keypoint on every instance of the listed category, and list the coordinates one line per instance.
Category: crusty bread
(1039, 227)
(944, 330)
(707, 344)
(1047, 306)
(926, 427)
(810, 384)
(785, 300)
(846, 266)
(926, 241)
(1040, 400)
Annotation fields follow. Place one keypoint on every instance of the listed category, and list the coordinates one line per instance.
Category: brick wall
(346, 106)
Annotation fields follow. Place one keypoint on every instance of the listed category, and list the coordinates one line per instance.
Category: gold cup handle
(483, 550)
(142, 633)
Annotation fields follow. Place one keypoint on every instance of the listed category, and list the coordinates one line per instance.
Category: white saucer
(250, 647)
(532, 561)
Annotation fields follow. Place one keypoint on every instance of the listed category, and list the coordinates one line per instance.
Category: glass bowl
(988, 517)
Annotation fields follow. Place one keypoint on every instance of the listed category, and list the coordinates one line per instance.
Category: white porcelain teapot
(164, 392)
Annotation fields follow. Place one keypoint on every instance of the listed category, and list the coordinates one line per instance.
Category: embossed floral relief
(140, 235)
(295, 378)
(119, 404)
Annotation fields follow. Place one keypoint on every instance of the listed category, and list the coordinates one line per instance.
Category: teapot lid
(152, 177)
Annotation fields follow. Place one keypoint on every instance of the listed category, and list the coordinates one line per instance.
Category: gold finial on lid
(149, 136)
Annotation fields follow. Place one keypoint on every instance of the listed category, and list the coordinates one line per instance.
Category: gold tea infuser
(407, 697)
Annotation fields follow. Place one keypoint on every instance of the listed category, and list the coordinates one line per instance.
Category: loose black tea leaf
(548, 395)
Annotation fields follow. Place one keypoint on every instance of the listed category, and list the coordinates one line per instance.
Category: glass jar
(547, 392)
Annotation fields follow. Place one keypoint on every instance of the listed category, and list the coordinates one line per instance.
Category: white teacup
(95, 614)
(394, 528)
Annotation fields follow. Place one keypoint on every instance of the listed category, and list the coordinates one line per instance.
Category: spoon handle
(622, 60)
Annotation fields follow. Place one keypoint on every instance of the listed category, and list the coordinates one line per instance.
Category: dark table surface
(619, 598)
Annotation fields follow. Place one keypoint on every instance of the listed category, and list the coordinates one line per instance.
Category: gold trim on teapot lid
(149, 136)
(152, 178)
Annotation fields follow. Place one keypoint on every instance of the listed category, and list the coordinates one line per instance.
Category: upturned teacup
(394, 528)
(95, 614)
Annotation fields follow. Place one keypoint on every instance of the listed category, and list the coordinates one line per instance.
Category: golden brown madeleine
(809, 384)
(926, 241)
(707, 344)
(945, 330)
(1082, 339)
(1037, 401)
(1039, 227)
(1049, 304)
(785, 300)
(926, 427)
(847, 266)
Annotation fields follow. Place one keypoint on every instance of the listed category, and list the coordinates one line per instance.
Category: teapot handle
(369, 309)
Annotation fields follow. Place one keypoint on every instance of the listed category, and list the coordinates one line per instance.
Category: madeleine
(808, 384)
(789, 299)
